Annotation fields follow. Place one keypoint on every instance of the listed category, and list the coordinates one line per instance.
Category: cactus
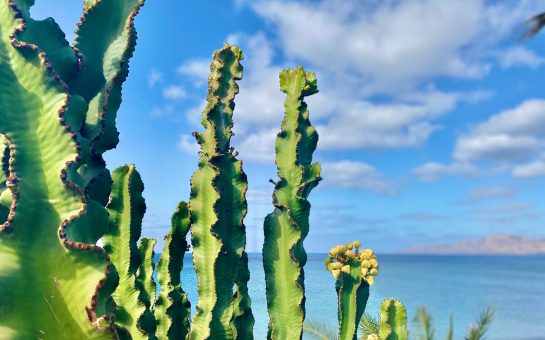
(172, 307)
(393, 320)
(126, 209)
(139, 314)
(217, 209)
(286, 228)
(354, 272)
(56, 188)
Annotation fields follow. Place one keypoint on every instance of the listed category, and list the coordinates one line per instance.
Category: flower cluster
(343, 257)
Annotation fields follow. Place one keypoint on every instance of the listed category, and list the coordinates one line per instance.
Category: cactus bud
(370, 280)
(327, 262)
(373, 262)
(364, 272)
(337, 265)
(350, 254)
(349, 246)
(368, 253)
(346, 269)
(357, 244)
(365, 264)
(336, 273)
(373, 272)
(330, 266)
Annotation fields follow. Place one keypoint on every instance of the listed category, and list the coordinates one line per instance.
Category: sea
(457, 286)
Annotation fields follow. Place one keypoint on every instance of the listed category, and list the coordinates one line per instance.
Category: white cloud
(509, 136)
(154, 77)
(394, 44)
(162, 111)
(520, 56)
(530, 170)
(174, 92)
(356, 175)
(479, 195)
(433, 171)
(257, 147)
(188, 145)
(508, 213)
(497, 147)
(197, 69)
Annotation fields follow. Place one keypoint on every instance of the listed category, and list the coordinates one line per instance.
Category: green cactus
(126, 209)
(286, 227)
(147, 267)
(393, 320)
(172, 307)
(217, 209)
(354, 272)
(58, 294)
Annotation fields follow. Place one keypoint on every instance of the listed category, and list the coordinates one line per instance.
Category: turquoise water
(459, 285)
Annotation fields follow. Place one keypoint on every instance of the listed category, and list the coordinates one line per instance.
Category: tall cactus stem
(218, 207)
(172, 307)
(126, 209)
(286, 228)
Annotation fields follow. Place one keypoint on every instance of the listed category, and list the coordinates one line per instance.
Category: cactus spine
(172, 308)
(286, 227)
(354, 272)
(393, 320)
(217, 209)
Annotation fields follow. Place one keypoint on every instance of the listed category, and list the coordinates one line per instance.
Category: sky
(431, 114)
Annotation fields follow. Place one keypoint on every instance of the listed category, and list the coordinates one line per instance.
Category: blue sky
(431, 114)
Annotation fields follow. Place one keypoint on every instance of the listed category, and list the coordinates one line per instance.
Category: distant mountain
(500, 244)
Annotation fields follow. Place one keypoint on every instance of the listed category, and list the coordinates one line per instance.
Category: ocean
(461, 286)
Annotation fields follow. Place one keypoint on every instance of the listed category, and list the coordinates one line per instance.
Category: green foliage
(479, 329)
(393, 320)
(476, 331)
(354, 272)
(287, 226)
(369, 325)
(319, 330)
(172, 307)
(427, 330)
(217, 209)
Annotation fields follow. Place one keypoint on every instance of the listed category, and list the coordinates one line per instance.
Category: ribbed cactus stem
(126, 209)
(218, 207)
(147, 268)
(51, 269)
(354, 272)
(286, 227)
(393, 320)
(172, 308)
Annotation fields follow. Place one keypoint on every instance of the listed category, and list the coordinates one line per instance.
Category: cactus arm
(105, 40)
(126, 209)
(48, 280)
(353, 294)
(172, 308)
(244, 319)
(147, 267)
(287, 227)
(51, 39)
(393, 320)
(5, 194)
(218, 205)
(145, 277)
(354, 272)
